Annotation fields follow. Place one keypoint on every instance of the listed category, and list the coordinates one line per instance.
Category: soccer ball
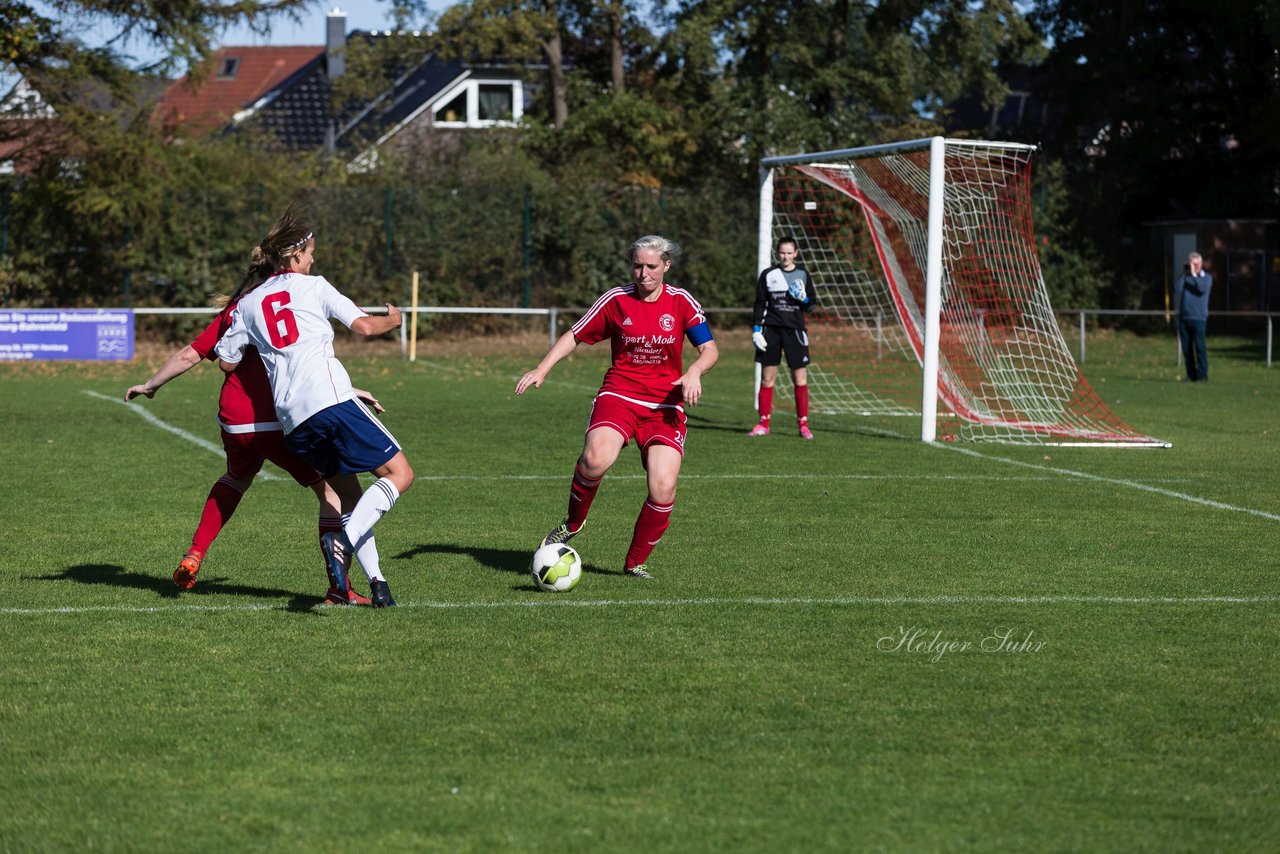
(556, 568)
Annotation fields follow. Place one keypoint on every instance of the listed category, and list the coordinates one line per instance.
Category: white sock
(366, 553)
(371, 507)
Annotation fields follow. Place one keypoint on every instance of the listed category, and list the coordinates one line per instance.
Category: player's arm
(691, 380)
(373, 325)
(564, 345)
(230, 347)
(175, 366)
(759, 312)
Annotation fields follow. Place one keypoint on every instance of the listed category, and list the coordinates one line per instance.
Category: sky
(361, 15)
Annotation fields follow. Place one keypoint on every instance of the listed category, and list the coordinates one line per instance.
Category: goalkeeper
(784, 294)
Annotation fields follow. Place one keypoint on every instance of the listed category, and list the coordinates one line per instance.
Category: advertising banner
(65, 333)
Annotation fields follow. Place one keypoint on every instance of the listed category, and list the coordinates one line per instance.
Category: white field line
(807, 476)
(702, 601)
(1115, 481)
(204, 444)
(1054, 470)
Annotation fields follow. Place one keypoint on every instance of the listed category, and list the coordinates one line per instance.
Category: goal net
(950, 324)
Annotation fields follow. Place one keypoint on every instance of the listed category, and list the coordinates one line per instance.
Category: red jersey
(245, 404)
(648, 341)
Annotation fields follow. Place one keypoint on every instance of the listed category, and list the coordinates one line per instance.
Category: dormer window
(228, 67)
(480, 103)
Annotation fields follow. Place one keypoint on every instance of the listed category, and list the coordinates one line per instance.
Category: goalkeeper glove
(757, 338)
(796, 289)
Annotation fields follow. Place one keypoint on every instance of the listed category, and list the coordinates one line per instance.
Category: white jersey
(287, 319)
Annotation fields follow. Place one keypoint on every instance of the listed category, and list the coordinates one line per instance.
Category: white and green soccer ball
(556, 568)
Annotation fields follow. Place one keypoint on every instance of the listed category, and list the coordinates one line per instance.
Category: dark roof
(296, 112)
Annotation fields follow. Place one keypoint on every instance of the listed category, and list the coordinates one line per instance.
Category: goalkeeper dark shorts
(779, 340)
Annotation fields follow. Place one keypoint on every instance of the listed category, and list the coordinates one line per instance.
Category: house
(31, 130)
(286, 93)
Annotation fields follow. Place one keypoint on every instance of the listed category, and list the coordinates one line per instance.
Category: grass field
(1120, 687)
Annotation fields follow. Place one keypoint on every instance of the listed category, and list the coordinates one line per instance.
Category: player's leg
(342, 440)
(243, 462)
(335, 558)
(342, 491)
(379, 498)
(663, 465)
(800, 379)
(608, 427)
(796, 345)
(769, 359)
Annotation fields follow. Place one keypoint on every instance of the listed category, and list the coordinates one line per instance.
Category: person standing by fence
(1191, 305)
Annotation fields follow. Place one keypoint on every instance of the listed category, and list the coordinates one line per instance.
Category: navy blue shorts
(343, 439)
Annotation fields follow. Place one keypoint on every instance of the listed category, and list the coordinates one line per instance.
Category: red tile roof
(212, 104)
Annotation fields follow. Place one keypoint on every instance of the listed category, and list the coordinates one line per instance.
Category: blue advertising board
(65, 333)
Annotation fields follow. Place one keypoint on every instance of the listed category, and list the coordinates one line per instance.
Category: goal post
(931, 299)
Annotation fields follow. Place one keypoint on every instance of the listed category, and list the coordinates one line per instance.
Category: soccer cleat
(638, 572)
(805, 432)
(380, 594)
(337, 554)
(338, 596)
(560, 534)
(760, 429)
(185, 575)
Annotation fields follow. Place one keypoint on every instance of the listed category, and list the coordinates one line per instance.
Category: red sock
(802, 404)
(223, 499)
(650, 526)
(581, 493)
(766, 403)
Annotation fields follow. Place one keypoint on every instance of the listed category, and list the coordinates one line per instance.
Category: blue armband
(699, 334)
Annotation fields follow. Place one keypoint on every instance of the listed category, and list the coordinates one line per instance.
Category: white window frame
(471, 88)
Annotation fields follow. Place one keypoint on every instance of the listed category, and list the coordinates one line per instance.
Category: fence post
(1269, 325)
(528, 239)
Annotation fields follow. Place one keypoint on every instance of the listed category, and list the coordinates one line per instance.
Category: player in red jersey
(251, 435)
(643, 394)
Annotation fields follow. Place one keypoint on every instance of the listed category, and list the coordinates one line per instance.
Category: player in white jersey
(643, 394)
(287, 319)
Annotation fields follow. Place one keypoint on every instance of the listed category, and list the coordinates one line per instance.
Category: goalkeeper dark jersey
(775, 306)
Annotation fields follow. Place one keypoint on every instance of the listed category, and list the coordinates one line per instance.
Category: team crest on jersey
(667, 322)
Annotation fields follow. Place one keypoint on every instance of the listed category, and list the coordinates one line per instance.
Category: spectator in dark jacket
(1191, 304)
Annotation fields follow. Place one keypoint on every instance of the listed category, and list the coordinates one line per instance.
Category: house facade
(287, 94)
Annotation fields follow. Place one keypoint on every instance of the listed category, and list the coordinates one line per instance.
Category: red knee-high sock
(581, 493)
(223, 499)
(802, 404)
(766, 402)
(650, 526)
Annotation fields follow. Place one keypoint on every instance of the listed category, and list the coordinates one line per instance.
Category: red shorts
(246, 452)
(634, 421)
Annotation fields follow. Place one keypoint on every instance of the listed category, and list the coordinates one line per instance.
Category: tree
(1166, 111)
(835, 73)
(515, 31)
